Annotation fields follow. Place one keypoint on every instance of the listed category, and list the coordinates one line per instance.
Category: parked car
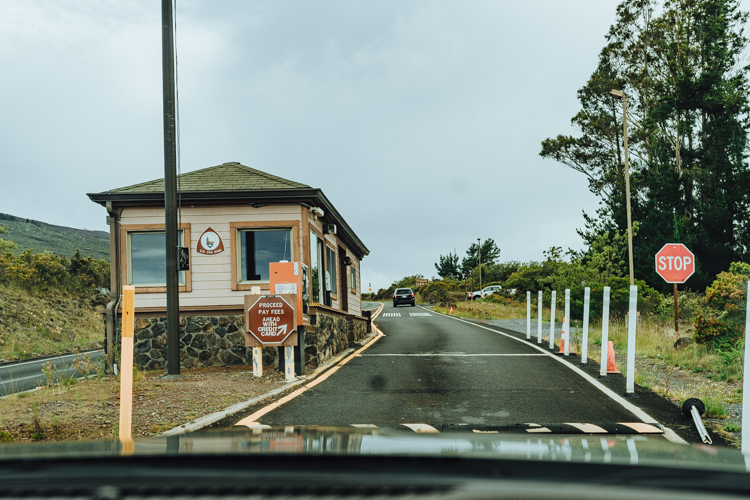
(486, 292)
(403, 296)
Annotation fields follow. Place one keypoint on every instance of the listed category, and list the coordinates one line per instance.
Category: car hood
(385, 441)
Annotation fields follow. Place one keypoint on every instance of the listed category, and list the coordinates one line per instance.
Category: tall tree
(687, 95)
(447, 266)
(489, 253)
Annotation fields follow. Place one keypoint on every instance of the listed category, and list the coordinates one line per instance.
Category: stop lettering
(675, 263)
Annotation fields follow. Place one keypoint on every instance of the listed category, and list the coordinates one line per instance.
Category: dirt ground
(89, 409)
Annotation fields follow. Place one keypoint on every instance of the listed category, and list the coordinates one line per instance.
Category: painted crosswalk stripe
(453, 354)
(420, 314)
(391, 315)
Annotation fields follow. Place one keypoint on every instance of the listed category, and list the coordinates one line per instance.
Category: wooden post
(676, 327)
(126, 369)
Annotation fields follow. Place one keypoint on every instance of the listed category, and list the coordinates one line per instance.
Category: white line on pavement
(668, 433)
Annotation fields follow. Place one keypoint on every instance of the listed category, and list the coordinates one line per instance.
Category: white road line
(668, 433)
(420, 314)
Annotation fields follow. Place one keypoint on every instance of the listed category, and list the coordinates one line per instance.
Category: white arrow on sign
(282, 330)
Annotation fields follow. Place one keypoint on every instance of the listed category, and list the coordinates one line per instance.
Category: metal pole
(676, 327)
(170, 189)
(627, 189)
(479, 250)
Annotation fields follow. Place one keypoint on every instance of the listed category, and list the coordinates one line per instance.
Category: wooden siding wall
(211, 274)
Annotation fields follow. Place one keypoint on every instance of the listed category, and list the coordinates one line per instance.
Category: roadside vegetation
(48, 303)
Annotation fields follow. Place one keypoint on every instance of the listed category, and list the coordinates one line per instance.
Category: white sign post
(605, 332)
(539, 321)
(552, 321)
(746, 382)
(528, 315)
(257, 361)
(630, 379)
(288, 362)
(567, 322)
(585, 341)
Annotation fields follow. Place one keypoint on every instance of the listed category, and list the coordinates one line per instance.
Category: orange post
(126, 369)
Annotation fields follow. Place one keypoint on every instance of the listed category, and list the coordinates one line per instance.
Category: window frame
(125, 262)
(235, 244)
(331, 266)
(352, 278)
(318, 243)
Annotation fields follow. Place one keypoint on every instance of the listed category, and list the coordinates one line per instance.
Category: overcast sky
(420, 120)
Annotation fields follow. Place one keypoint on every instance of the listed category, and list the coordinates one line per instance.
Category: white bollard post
(585, 340)
(257, 361)
(528, 315)
(552, 321)
(746, 381)
(289, 362)
(567, 322)
(630, 379)
(539, 321)
(605, 332)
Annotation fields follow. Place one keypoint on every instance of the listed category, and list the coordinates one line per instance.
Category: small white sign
(283, 288)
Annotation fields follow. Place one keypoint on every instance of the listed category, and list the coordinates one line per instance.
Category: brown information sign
(271, 320)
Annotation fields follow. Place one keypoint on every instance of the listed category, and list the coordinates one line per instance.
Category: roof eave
(310, 196)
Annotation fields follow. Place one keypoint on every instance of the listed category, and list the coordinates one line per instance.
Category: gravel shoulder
(90, 409)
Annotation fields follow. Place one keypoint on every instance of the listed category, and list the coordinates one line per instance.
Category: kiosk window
(148, 259)
(258, 247)
(331, 268)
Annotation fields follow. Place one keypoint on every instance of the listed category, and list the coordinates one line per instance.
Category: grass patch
(34, 325)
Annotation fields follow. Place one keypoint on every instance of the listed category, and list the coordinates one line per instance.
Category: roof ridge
(229, 176)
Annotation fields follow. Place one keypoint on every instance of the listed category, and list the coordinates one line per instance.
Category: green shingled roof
(226, 177)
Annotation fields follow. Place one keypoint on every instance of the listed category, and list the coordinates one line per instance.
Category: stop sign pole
(675, 263)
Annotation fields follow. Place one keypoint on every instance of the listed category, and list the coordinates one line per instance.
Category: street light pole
(621, 95)
(479, 251)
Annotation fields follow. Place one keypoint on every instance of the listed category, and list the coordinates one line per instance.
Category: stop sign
(270, 320)
(675, 263)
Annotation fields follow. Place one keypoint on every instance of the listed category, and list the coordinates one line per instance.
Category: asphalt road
(27, 375)
(440, 371)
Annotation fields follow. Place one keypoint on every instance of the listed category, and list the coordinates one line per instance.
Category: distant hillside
(60, 240)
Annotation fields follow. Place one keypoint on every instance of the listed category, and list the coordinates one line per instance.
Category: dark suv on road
(403, 296)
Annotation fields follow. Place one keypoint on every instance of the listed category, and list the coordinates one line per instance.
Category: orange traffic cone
(451, 310)
(611, 364)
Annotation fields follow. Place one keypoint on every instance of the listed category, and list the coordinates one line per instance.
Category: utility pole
(479, 250)
(170, 189)
(621, 95)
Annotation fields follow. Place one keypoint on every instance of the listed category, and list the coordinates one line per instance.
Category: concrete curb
(212, 418)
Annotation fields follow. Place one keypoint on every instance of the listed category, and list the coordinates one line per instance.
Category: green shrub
(714, 331)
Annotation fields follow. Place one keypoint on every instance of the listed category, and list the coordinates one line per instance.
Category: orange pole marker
(451, 310)
(126, 369)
